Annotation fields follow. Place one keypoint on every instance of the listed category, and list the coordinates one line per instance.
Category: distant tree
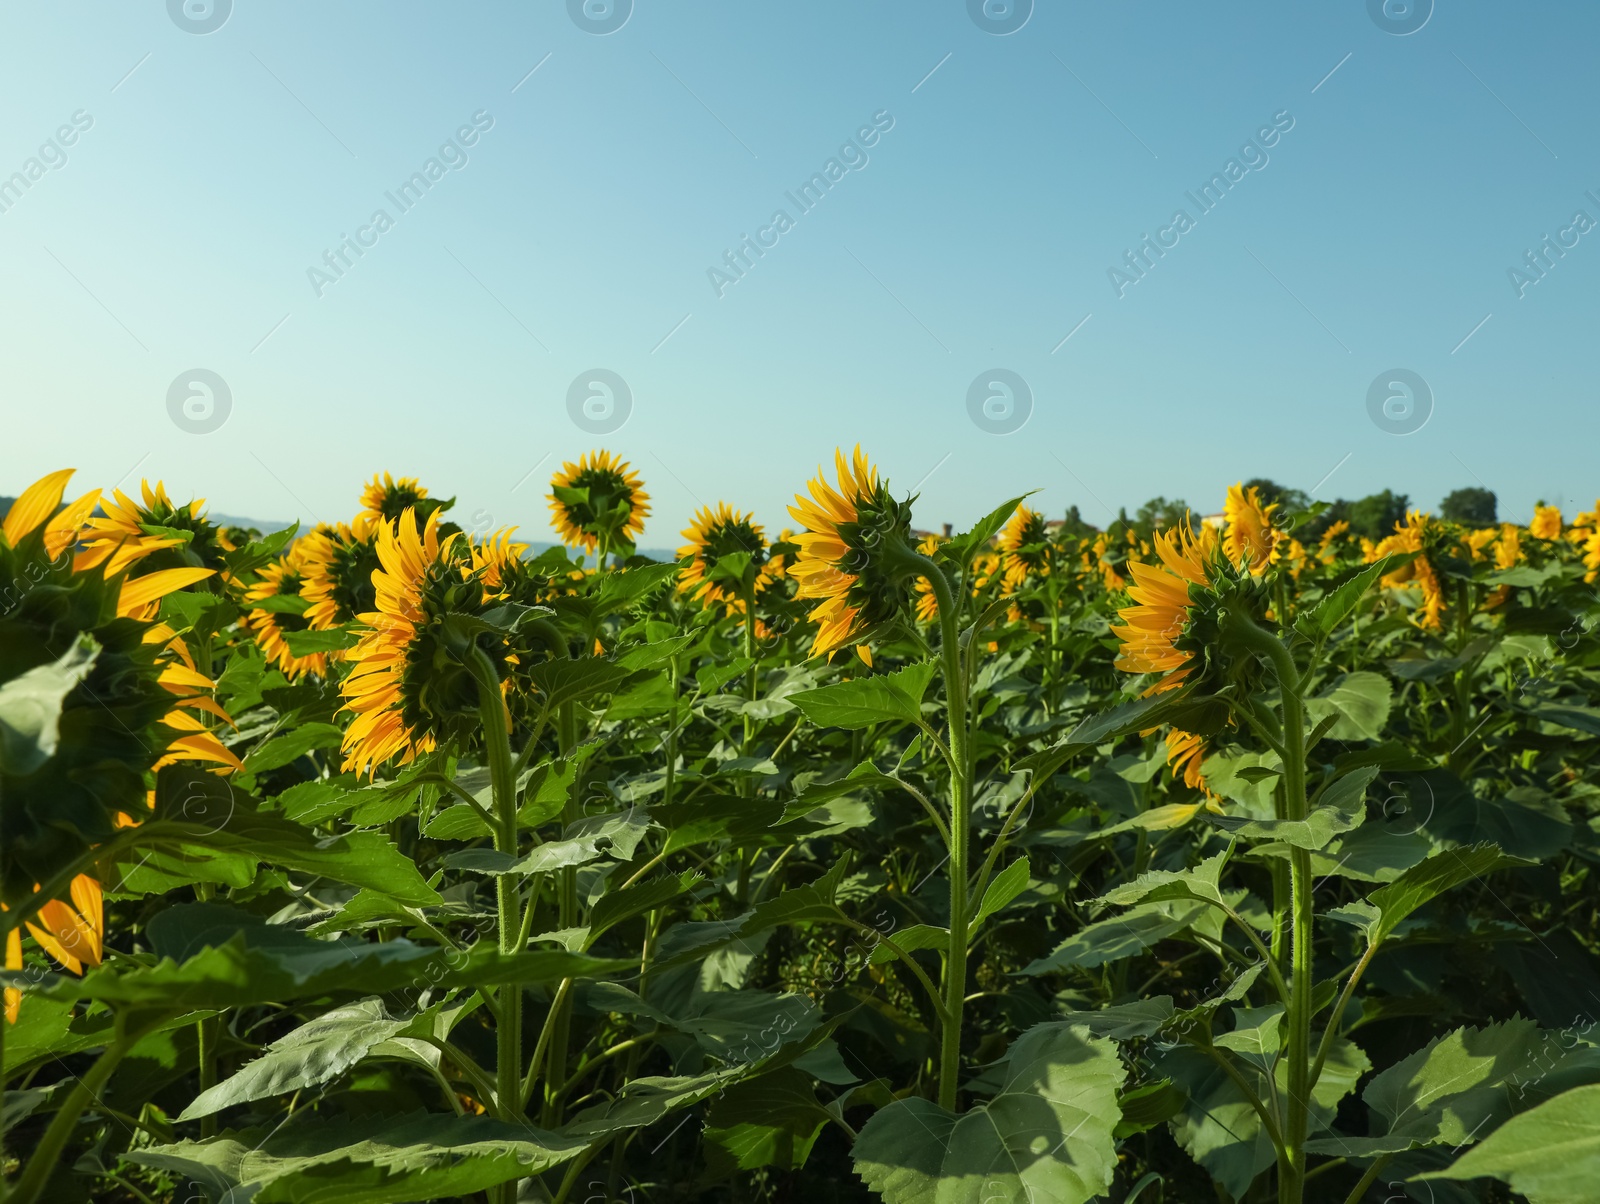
(1473, 506)
(1158, 513)
(1375, 515)
(1072, 524)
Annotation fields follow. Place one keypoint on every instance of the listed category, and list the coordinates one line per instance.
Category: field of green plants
(1248, 859)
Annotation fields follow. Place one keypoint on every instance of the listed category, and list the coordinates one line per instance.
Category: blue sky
(978, 233)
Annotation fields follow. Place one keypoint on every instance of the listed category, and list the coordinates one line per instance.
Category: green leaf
(819, 794)
(1157, 886)
(655, 653)
(373, 1160)
(1143, 1108)
(30, 708)
(1220, 1129)
(575, 680)
(918, 936)
(1125, 1021)
(1341, 807)
(1045, 1136)
(1440, 873)
(651, 694)
(811, 902)
(1116, 937)
(1578, 719)
(1550, 1154)
(616, 906)
(315, 1053)
(1203, 716)
(306, 643)
(965, 545)
(1339, 605)
(863, 701)
(770, 1121)
(199, 813)
(291, 746)
(627, 588)
(1005, 886)
(1452, 1090)
(1359, 703)
(214, 957)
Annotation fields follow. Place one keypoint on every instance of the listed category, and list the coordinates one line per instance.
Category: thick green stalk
(747, 783)
(47, 1153)
(503, 784)
(1291, 1185)
(955, 966)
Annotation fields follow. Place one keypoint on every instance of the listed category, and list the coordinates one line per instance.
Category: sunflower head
(927, 610)
(127, 687)
(1546, 522)
(1175, 627)
(155, 534)
(598, 504)
(848, 562)
(1025, 543)
(1251, 531)
(1417, 534)
(384, 499)
(716, 534)
(1508, 549)
(410, 685)
(336, 566)
(279, 611)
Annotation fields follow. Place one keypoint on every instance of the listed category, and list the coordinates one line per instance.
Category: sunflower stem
(1291, 1180)
(503, 783)
(47, 1153)
(955, 964)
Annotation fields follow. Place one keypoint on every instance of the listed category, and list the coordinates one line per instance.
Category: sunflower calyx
(1214, 635)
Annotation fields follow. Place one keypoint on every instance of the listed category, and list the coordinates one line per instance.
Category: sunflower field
(1241, 859)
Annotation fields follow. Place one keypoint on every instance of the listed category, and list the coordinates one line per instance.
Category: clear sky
(209, 173)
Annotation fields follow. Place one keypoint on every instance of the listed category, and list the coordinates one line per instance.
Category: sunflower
(135, 709)
(1154, 627)
(1508, 552)
(384, 499)
(598, 504)
(1107, 565)
(988, 567)
(927, 600)
(336, 567)
(1546, 522)
(154, 536)
(1507, 555)
(844, 561)
(410, 685)
(1025, 543)
(493, 559)
(1412, 536)
(387, 720)
(1475, 541)
(284, 580)
(714, 533)
(1251, 535)
(1292, 553)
